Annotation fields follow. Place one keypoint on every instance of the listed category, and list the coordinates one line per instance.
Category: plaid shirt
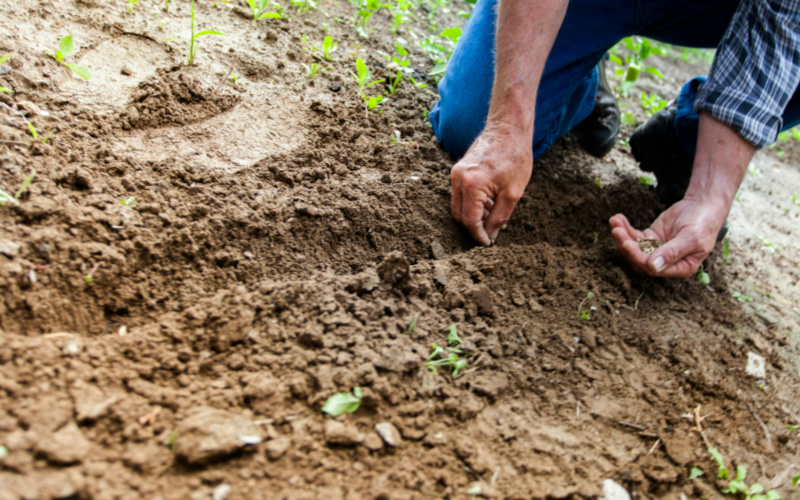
(756, 69)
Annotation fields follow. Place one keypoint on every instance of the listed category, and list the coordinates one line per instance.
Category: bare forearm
(720, 163)
(526, 31)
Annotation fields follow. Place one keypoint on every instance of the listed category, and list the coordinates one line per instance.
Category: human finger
(500, 213)
(678, 258)
(487, 209)
(472, 207)
(455, 197)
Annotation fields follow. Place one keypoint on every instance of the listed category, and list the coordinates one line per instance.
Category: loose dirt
(281, 246)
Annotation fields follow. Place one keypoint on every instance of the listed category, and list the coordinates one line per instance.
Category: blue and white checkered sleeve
(756, 69)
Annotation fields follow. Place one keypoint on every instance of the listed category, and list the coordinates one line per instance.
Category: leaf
(7, 91)
(413, 323)
(65, 47)
(270, 15)
(452, 33)
(654, 71)
(207, 32)
(795, 480)
(615, 59)
(342, 402)
(628, 119)
(3, 451)
(695, 473)
(702, 276)
(32, 130)
(363, 71)
(25, 184)
(6, 198)
(452, 337)
(5, 58)
(79, 70)
(438, 69)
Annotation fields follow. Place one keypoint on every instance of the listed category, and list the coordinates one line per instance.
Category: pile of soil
(197, 266)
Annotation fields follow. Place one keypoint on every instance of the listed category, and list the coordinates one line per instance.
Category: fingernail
(658, 264)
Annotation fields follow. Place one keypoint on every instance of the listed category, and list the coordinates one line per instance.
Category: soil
(281, 247)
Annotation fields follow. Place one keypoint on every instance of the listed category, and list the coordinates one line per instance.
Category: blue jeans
(569, 83)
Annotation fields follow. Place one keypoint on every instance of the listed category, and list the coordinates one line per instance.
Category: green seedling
(795, 480)
(586, 314)
(795, 199)
(5, 90)
(647, 181)
(738, 487)
(172, 441)
(722, 470)
(3, 451)
(363, 76)
(372, 102)
(65, 49)
(194, 36)
(329, 47)
(452, 336)
(90, 276)
(365, 10)
(234, 78)
(304, 6)
(451, 360)
(3, 60)
(7, 199)
(128, 202)
(594, 237)
(394, 85)
(726, 250)
(741, 298)
(25, 184)
(131, 3)
(258, 8)
(419, 85)
(652, 104)
(314, 69)
(695, 473)
(343, 402)
(166, 5)
(453, 34)
(640, 49)
(793, 428)
(702, 276)
(768, 245)
(447, 356)
(413, 323)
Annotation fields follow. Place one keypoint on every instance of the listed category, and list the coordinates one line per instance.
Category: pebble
(373, 442)
(756, 365)
(277, 447)
(340, 433)
(612, 490)
(438, 252)
(67, 446)
(389, 434)
(221, 492)
(209, 434)
(9, 248)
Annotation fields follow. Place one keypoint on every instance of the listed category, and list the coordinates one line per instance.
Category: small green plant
(647, 181)
(3, 60)
(702, 276)
(639, 49)
(343, 402)
(694, 473)
(726, 251)
(172, 441)
(131, 3)
(447, 356)
(258, 8)
(413, 323)
(65, 49)
(722, 470)
(329, 47)
(768, 245)
(652, 104)
(128, 202)
(741, 298)
(362, 76)
(7, 199)
(372, 102)
(586, 314)
(738, 487)
(365, 9)
(313, 69)
(234, 78)
(795, 199)
(194, 36)
(419, 85)
(3, 451)
(90, 275)
(394, 84)
(24, 187)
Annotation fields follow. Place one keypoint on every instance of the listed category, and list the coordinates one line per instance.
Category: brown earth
(281, 246)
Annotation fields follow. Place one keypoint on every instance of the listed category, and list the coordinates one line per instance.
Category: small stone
(221, 492)
(389, 434)
(126, 71)
(44, 248)
(756, 365)
(340, 433)
(67, 446)
(437, 250)
(89, 410)
(277, 447)
(482, 298)
(73, 347)
(535, 306)
(612, 490)
(9, 248)
(208, 434)
(435, 439)
(249, 255)
(373, 442)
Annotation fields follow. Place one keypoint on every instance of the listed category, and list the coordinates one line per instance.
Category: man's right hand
(490, 179)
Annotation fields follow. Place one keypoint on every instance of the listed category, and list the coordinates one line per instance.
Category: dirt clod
(210, 434)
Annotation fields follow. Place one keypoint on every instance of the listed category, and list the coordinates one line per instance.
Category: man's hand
(689, 228)
(489, 181)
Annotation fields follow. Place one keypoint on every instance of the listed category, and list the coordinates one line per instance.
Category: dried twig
(636, 305)
(631, 426)
(761, 423)
(227, 75)
(699, 428)
(655, 446)
(14, 143)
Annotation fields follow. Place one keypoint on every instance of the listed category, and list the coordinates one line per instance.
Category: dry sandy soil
(281, 247)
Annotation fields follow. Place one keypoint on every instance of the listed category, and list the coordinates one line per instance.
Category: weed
(639, 50)
(628, 119)
(304, 6)
(363, 76)
(695, 473)
(25, 184)
(65, 49)
(754, 171)
(594, 237)
(171, 441)
(234, 78)
(652, 104)
(394, 84)
(413, 323)
(372, 102)
(128, 202)
(647, 181)
(7, 199)
(726, 250)
(194, 36)
(451, 358)
(258, 9)
(741, 298)
(737, 486)
(586, 314)
(131, 3)
(702, 276)
(419, 85)
(795, 480)
(343, 402)
(365, 10)
(5, 90)
(328, 47)
(314, 68)
(722, 471)
(795, 199)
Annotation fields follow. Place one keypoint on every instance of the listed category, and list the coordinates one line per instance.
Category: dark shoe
(598, 133)
(655, 145)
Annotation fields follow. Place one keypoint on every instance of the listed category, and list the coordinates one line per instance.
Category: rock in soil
(389, 434)
(210, 434)
(342, 434)
(612, 490)
(277, 447)
(67, 446)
